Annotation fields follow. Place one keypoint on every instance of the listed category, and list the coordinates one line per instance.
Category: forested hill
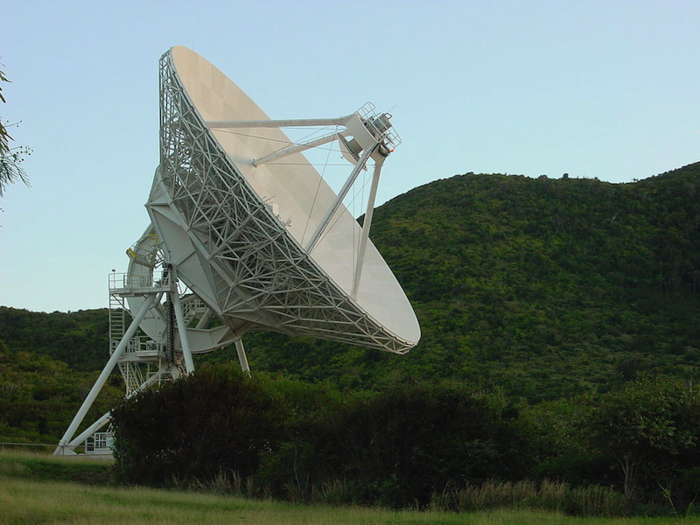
(543, 287)
(551, 286)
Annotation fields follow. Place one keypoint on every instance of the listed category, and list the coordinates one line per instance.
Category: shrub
(402, 445)
(215, 422)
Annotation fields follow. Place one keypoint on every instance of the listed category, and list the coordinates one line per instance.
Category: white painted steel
(242, 358)
(366, 225)
(213, 211)
(102, 379)
(338, 201)
(297, 148)
(234, 230)
(143, 261)
(68, 448)
(182, 330)
(284, 123)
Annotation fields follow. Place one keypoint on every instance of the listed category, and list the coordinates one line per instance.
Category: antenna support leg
(102, 379)
(242, 358)
(181, 328)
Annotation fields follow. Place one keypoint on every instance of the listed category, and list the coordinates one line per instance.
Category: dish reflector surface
(236, 233)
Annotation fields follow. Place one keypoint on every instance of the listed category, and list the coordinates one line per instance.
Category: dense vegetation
(543, 287)
(416, 445)
(79, 339)
(31, 493)
(551, 311)
(40, 396)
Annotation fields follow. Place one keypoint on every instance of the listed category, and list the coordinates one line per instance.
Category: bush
(402, 445)
(214, 422)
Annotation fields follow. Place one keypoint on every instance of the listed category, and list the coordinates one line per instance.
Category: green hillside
(543, 287)
(550, 287)
(80, 339)
(39, 396)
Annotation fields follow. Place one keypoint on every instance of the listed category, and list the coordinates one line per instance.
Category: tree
(646, 428)
(10, 158)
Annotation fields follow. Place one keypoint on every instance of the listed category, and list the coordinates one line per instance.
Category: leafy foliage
(648, 428)
(574, 300)
(79, 339)
(405, 443)
(197, 427)
(10, 158)
(413, 443)
(395, 448)
(547, 288)
(40, 396)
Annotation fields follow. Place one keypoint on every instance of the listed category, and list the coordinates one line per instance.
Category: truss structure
(256, 274)
(229, 263)
(129, 357)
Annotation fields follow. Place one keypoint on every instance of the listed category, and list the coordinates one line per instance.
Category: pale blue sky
(607, 89)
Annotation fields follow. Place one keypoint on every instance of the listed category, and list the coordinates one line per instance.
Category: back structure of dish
(240, 234)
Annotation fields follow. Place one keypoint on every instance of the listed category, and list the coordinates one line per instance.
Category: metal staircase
(144, 358)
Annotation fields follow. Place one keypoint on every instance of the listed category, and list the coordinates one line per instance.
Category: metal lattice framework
(225, 255)
(259, 276)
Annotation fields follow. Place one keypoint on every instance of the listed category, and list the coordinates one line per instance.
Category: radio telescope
(246, 235)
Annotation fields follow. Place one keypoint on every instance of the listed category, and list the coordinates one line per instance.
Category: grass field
(30, 494)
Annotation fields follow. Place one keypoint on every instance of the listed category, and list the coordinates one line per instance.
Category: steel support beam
(102, 379)
(242, 358)
(298, 148)
(366, 225)
(106, 418)
(339, 198)
(286, 123)
(181, 327)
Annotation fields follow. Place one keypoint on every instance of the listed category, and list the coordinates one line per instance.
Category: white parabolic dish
(237, 233)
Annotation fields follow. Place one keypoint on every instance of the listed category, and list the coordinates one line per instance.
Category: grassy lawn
(30, 494)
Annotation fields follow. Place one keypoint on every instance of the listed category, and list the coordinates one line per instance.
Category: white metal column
(181, 327)
(366, 225)
(102, 379)
(242, 358)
